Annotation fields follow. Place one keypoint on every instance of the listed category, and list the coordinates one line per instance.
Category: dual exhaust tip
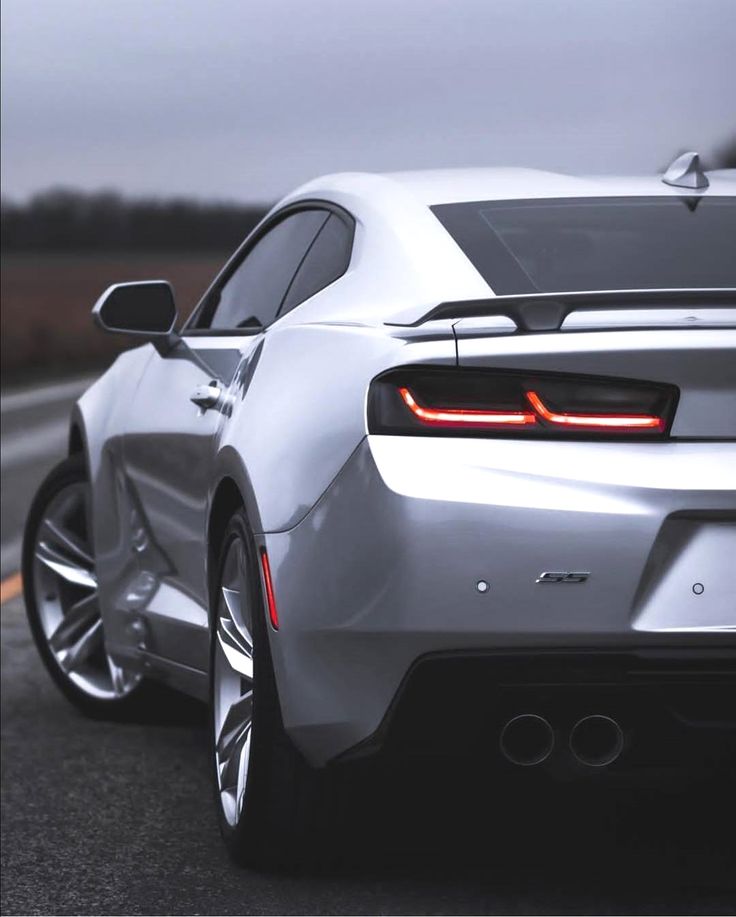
(528, 739)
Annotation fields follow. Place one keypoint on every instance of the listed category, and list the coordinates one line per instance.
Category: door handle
(206, 396)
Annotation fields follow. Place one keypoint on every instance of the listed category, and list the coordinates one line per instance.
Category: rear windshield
(576, 244)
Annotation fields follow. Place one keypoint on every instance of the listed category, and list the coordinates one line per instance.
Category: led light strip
(609, 421)
(465, 417)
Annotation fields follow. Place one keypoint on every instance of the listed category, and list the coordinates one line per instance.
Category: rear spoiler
(539, 312)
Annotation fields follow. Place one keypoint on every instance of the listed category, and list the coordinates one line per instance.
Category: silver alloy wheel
(233, 683)
(65, 587)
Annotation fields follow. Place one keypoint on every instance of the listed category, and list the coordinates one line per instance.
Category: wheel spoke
(68, 542)
(68, 604)
(243, 769)
(235, 608)
(237, 652)
(237, 720)
(90, 640)
(234, 682)
(233, 634)
(231, 775)
(232, 601)
(65, 567)
(79, 618)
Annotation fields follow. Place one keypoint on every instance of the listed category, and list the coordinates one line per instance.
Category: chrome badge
(562, 577)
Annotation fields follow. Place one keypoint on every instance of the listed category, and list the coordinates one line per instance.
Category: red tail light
(463, 417)
(595, 421)
(445, 402)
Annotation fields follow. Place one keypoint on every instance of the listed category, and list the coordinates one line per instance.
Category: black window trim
(208, 301)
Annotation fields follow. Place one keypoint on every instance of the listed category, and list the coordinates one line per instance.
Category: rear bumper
(384, 570)
(676, 707)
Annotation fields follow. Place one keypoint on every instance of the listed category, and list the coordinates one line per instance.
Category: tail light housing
(451, 402)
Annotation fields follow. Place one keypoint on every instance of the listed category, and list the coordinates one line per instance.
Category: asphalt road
(108, 818)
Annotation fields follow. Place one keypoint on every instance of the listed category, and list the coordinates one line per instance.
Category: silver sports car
(442, 463)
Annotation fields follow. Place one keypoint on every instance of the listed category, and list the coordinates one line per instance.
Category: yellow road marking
(10, 588)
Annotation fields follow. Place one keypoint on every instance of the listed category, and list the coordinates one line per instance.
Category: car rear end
(587, 558)
(530, 554)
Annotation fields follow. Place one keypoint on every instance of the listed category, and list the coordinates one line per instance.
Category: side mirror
(146, 309)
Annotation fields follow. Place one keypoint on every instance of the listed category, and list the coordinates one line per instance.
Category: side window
(326, 260)
(253, 293)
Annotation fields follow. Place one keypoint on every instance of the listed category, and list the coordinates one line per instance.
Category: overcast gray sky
(245, 99)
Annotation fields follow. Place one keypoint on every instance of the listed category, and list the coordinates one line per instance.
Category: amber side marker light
(270, 597)
(599, 421)
(464, 418)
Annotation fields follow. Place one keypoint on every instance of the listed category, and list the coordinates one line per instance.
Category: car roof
(408, 262)
(444, 186)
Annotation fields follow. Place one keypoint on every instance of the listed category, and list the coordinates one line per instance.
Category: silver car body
(377, 542)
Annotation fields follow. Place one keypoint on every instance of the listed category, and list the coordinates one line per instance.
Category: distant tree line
(62, 219)
(66, 220)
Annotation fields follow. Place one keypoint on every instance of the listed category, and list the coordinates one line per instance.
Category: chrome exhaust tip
(596, 740)
(527, 739)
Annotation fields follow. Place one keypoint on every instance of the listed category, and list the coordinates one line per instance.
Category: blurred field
(46, 300)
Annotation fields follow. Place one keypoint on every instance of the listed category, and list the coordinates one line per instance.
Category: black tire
(290, 808)
(69, 472)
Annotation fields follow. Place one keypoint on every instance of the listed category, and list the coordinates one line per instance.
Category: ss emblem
(562, 577)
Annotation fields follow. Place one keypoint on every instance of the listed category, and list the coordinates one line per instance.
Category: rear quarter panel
(299, 413)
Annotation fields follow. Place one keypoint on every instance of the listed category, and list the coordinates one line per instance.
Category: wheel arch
(232, 491)
(77, 442)
(225, 501)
